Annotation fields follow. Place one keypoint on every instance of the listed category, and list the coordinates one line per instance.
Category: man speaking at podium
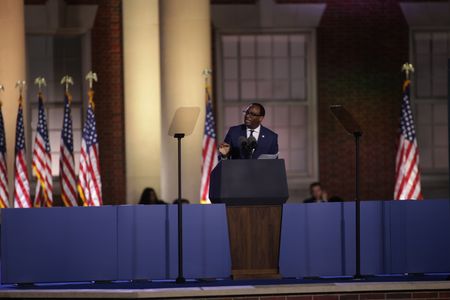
(250, 140)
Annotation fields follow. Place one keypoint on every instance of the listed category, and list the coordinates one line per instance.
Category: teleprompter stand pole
(180, 278)
(182, 125)
(357, 275)
(352, 127)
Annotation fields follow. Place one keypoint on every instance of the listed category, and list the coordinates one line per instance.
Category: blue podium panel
(143, 242)
(311, 240)
(58, 244)
(420, 236)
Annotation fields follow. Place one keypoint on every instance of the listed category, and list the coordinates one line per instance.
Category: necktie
(251, 133)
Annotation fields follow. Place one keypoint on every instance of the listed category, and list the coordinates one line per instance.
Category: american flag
(4, 194)
(21, 183)
(209, 153)
(42, 160)
(407, 185)
(66, 161)
(89, 180)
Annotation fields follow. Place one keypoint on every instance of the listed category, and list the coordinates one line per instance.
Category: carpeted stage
(430, 286)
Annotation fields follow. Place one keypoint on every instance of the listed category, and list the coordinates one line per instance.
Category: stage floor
(434, 286)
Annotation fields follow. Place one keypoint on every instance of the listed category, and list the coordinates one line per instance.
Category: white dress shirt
(255, 132)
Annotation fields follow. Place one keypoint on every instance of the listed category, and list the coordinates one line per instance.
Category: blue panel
(348, 222)
(206, 245)
(323, 239)
(59, 244)
(143, 242)
(293, 252)
(372, 237)
(311, 240)
(397, 223)
(148, 241)
(427, 236)
(173, 241)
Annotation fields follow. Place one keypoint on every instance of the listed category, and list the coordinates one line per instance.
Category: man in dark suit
(251, 139)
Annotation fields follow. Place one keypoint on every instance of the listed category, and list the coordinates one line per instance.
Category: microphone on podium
(243, 142)
(252, 143)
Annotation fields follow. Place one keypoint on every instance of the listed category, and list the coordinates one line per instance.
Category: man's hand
(224, 149)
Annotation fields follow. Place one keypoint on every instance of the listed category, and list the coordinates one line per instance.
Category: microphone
(252, 142)
(243, 142)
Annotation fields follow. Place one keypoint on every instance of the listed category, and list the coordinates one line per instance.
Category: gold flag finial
(206, 74)
(67, 80)
(21, 85)
(91, 77)
(407, 68)
(40, 82)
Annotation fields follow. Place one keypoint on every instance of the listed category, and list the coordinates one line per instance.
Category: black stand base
(180, 280)
(358, 277)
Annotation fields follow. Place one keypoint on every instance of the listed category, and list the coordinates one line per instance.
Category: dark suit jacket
(267, 141)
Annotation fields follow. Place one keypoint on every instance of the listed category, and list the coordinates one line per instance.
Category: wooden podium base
(254, 233)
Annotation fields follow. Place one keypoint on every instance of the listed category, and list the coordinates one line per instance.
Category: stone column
(185, 53)
(142, 96)
(12, 68)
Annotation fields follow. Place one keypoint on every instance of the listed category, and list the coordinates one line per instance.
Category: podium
(253, 191)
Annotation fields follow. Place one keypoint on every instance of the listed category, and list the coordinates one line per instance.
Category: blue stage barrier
(127, 242)
(420, 236)
(318, 239)
(140, 242)
(58, 244)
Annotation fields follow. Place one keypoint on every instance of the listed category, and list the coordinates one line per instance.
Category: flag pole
(206, 74)
(66, 160)
(2, 89)
(67, 81)
(22, 197)
(4, 202)
(41, 177)
(91, 77)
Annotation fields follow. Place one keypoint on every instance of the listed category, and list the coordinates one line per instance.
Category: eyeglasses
(246, 112)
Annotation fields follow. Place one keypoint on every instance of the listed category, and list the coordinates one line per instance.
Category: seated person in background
(183, 201)
(149, 196)
(251, 139)
(317, 194)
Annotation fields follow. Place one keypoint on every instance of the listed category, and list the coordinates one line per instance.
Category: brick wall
(107, 62)
(361, 46)
(432, 294)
